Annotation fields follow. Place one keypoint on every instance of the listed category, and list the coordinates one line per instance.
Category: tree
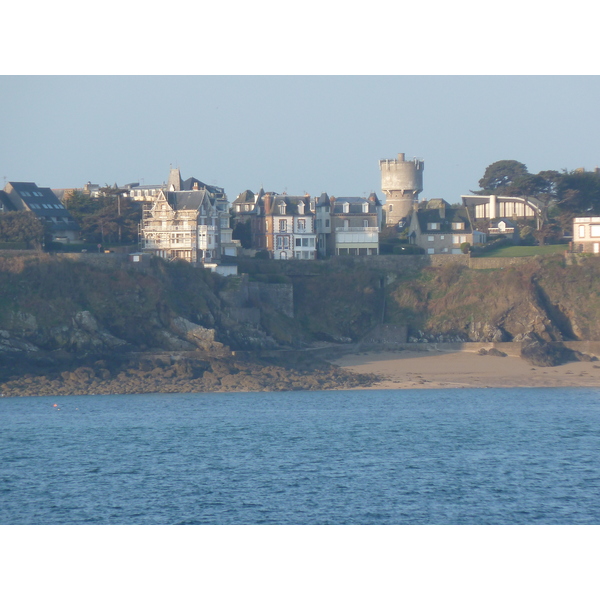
(23, 227)
(107, 219)
(501, 175)
(577, 194)
(243, 233)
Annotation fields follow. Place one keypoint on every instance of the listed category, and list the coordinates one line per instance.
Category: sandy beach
(406, 370)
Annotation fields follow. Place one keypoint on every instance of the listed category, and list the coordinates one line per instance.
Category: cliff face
(50, 304)
(543, 299)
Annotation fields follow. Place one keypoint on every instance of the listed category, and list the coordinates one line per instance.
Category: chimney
(267, 203)
(195, 185)
(400, 156)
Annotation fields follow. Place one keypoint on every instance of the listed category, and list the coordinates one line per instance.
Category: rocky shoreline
(171, 373)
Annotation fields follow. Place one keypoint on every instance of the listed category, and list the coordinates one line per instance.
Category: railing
(357, 229)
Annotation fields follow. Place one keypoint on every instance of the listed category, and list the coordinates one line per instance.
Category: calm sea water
(490, 456)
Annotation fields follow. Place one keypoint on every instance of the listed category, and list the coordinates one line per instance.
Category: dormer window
(282, 209)
(301, 208)
(432, 226)
(458, 225)
(346, 207)
(365, 207)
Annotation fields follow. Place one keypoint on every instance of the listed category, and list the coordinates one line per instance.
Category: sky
(302, 100)
(296, 134)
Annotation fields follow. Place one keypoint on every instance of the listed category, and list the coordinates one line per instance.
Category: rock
(496, 352)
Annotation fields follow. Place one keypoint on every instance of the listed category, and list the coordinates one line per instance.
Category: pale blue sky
(296, 133)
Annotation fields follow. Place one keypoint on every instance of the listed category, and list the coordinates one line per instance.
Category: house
(187, 221)
(586, 234)
(505, 227)
(441, 229)
(489, 208)
(348, 226)
(27, 196)
(284, 226)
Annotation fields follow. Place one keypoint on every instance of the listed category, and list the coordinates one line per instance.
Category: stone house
(348, 225)
(187, 221)
(440, 229)
(586, 234)
(284, 226)
(43, 203)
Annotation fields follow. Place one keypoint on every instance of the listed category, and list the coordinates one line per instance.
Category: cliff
(89, 310)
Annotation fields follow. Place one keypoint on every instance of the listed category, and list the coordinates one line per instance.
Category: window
(283, 242)
(298, 242)
(458, 225)
(430, 238)
(282, 225)
(581, 231)
(346, 207)
(365, 207)
(365, 223)
(326, 222)
(433, 225)
(595, 230)
(282, 209)
(305, 241)
(301, 208)
(430, 250)
(301, 224)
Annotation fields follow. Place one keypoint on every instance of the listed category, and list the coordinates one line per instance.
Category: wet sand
(438, 370)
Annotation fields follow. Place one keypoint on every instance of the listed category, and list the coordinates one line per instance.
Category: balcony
(158, 228)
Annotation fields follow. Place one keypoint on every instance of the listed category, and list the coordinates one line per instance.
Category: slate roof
(355, 205)
(291, 204)
(44, 203)
(189, 200)
(188, 185)
(431, 214)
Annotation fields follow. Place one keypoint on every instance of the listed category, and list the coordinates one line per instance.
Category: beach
(437, 370)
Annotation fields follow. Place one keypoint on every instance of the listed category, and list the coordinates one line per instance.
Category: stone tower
(175, 183)
(401, 182)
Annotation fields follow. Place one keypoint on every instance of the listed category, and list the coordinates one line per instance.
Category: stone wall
(490, 262)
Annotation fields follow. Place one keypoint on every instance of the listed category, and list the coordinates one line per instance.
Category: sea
(405, 457)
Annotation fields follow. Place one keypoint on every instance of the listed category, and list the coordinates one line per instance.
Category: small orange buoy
(54, 405)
